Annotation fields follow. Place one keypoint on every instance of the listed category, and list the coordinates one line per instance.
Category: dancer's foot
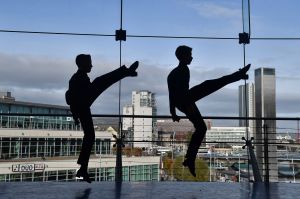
(84, 174)
(242, 73)
(191, 165)
(132, 69)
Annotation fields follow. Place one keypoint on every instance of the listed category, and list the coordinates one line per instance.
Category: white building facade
(143, 129)
(230, 135)
(247, 106)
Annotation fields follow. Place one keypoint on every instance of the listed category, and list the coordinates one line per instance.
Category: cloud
(33, 72)
(288, 103)
(288, 78)
(221, 103)
(215, 10)
(45, 80)
(43, 96)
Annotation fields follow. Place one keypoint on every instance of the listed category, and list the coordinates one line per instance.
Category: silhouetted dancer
(81, 95)
(183, 98)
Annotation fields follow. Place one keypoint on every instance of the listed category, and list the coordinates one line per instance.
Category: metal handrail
(156, 116)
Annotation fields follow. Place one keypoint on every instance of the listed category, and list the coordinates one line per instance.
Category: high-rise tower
(247, 106)
(265, 105)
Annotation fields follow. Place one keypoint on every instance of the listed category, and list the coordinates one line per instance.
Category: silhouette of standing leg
(193, 114)
(87, 125)
(88, 138)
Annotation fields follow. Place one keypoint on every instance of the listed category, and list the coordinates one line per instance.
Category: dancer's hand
(175, 118)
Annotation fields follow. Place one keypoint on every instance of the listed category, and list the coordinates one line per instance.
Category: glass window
(16, 148)
(4, 108)
(27, 177)
(5, 142)
(15, 177)
(71, 175)
(62, 175)
(93, 173)
(51, 175)
(33, 147)
(269, 71)
(3, 177)
(38, 176)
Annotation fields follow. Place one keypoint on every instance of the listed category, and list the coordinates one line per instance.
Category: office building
(143, 129)
(265, 105)
(230, 135)
(247, 106)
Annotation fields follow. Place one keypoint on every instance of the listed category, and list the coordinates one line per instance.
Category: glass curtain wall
(154, 30)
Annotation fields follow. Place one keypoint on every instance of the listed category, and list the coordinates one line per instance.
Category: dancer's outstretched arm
(172, 107)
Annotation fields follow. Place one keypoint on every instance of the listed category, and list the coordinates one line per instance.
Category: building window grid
(17, 147)
(43, 122)
(130, 173)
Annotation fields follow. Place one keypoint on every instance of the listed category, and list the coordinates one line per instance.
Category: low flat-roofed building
(39, 142)
(230, 135)
(101, 168)
(51, 155)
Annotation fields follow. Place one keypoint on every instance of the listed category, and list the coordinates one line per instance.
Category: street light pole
(172, 142)
(210, 166)
(239, 168)
(293, 169)
(100, 173)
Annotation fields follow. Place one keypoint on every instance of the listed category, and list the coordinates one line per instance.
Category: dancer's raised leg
(210, 86)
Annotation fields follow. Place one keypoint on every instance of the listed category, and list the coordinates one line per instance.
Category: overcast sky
(37, 68)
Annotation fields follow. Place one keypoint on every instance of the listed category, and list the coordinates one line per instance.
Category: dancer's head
(84, 62)
(184, 54)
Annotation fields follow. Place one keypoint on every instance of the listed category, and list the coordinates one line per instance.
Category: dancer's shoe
(191, 165)
(84, 175)
(132, 69)
(242, 73)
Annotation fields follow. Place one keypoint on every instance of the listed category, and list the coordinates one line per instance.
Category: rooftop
(32, 104)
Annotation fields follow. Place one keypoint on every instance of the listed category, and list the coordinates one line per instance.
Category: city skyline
(36, 67)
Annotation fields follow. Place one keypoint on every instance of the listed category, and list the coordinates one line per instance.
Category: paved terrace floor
(141, 190)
